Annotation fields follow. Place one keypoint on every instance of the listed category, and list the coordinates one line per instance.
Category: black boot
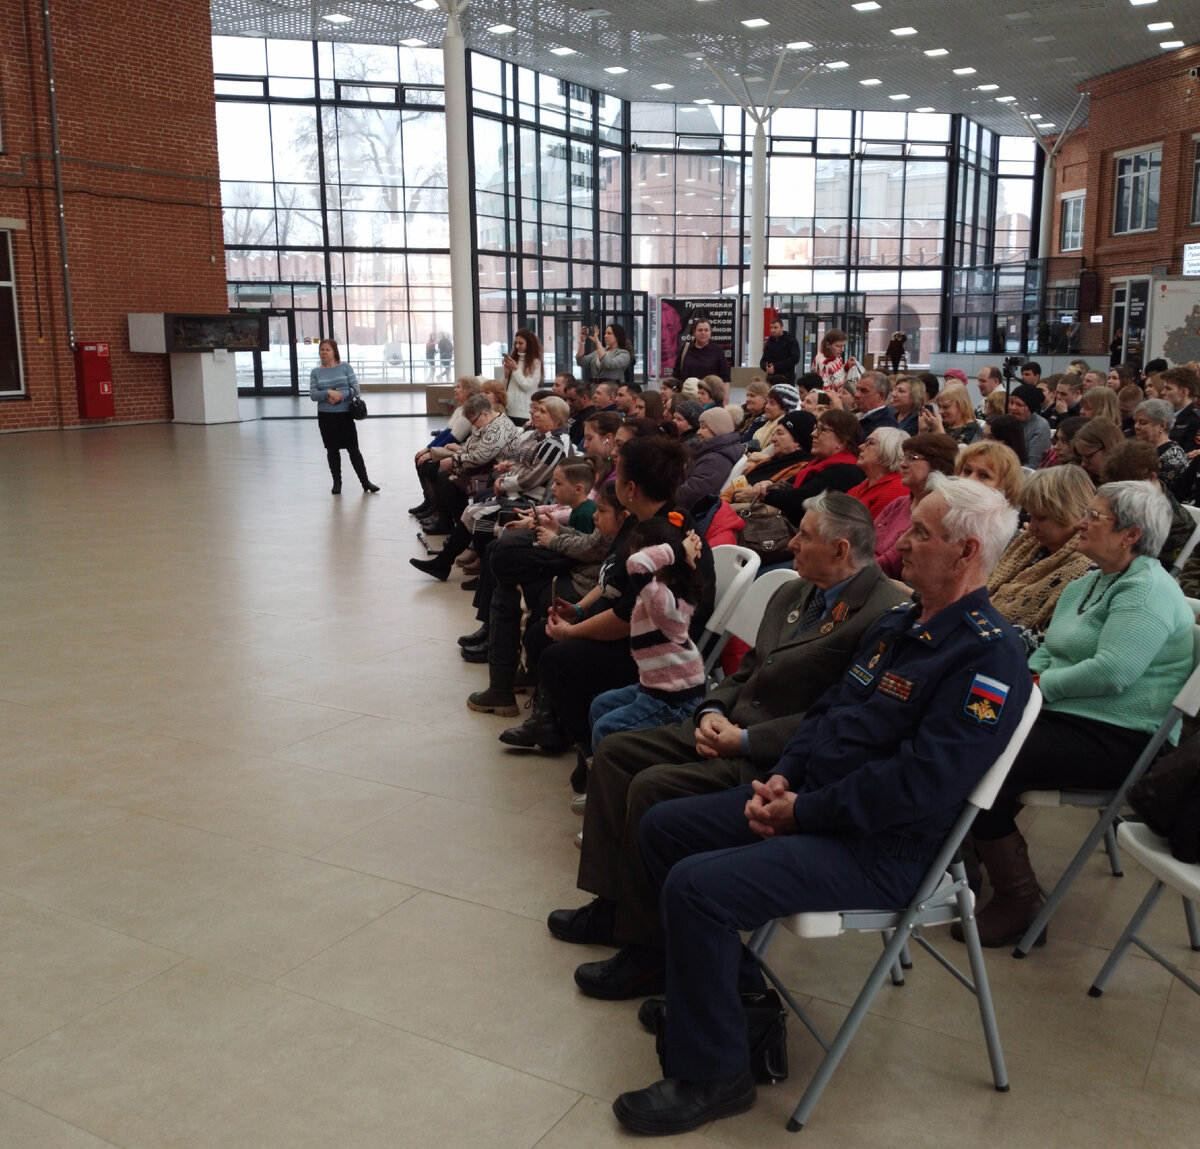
(498, 698)
(540, 729)
(439, 566)
(335, 469)
(360, 469)
(478, 638)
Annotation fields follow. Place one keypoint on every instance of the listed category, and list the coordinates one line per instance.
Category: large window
(1071, 233)
(1196, 182)
(11, 382)
(1137, 191)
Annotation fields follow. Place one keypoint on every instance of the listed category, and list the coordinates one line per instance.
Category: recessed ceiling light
(702, 100)
(337, 18)
(1043, 39)
(1171, 44)
(834, 64)
(865, 6)
(616, 70)
(661, 87)
(964, 71)
(900, 96)
(1035, 115)
(1161, 26)
(756, 22)
(1019, 15)
(798, 45)
(937, 51)
(905, 31)
(413, 43)
(427, 5)
(923, 109)
(1139, 3)
(870, 83)
(502, 29)
(1006, 99)
(756, 79)
(563, 51)
(987, 87)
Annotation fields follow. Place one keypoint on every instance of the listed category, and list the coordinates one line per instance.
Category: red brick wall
(138, 135)
(1151, 102)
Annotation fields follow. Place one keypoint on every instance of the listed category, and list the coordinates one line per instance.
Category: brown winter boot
(1016, 900)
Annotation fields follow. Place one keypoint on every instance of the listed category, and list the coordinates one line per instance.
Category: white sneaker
(578, 803)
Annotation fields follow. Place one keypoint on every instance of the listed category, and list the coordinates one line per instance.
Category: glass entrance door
(274, 371)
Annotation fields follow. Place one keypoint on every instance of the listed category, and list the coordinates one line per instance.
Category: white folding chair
(942, 897)
(735, 568)
(1107, 803)
(1194, 538)
(743, 623)
(1153, 853)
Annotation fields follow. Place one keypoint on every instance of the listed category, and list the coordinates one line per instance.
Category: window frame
(1069, 201)
(1195, 215)
(10, 286)
(1153, 155)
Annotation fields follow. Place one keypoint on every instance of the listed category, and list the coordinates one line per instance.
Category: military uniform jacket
(785, 673)
(890, 753)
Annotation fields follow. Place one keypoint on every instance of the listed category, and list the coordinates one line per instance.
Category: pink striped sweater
(669, 665)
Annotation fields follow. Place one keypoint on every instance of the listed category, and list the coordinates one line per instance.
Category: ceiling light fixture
(1006, 99)
(502, 29)
(702, 100)
(865, 6)
(337, 18)
(756, 22)
(426, 5)
(1043, 39)
(900, 96)
(798, 45)
(924, 109)
(870, 83)
(1171, 44)
(986, 87)
(562, 51)
(413, 43)
(616, 70)
(833, 65)
(661, 87)
(1035, 115)
(964, 71)
(905, 31)
(1139, 3)
(937, 51)
(1161, 26)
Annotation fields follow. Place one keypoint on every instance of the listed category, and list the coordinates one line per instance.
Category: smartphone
(554, 589)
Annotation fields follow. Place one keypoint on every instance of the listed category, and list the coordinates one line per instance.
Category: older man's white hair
(976, 512)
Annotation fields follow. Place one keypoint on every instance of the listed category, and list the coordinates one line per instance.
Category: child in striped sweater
(671, 679)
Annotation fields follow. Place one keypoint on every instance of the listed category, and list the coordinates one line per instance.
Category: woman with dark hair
(600, 442)
(924, 455)
(1092, 443)
(829, 363)
(522, 374)
(331, 386)
(590, 651)
(834, 465)
(609, 358)
(700, 355)
(649, 405)
(1007, 429)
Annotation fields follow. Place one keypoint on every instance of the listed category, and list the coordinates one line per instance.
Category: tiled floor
(265, 881)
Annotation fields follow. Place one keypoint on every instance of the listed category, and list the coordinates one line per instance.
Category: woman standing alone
(522, 374)
(331, 386)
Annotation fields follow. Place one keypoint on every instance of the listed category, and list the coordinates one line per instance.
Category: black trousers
(573, 672)
(1062, 752)
(339, 433)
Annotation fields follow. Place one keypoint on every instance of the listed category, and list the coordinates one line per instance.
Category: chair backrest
(735, 569)
(1187, 701)
(1185, 552)
(989, 785)
(747, 615)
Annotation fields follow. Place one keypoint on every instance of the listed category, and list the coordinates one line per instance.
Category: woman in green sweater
(1118, 650)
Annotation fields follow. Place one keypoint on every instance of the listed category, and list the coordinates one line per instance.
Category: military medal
(827, 628)
(794, 617)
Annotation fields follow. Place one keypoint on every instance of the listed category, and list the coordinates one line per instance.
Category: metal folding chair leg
(1110, 845)
(1126, 939)
(1193, 923)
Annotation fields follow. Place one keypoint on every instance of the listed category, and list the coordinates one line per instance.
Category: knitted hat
(690, 409)
(1030, 395)
(801, 425)
(690, 388)
(786, 396)
(718, 420)
(956, 373)
(737, 414)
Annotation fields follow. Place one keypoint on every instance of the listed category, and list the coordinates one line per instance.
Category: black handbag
(357, 408)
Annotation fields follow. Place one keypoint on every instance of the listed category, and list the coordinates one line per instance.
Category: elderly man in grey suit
(809, 630)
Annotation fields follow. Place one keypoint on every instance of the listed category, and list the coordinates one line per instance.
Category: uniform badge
(827, 628)
(874, 662)
(862, 675)
(793, 618)
(839, 612)
(985, 700)
(896, 687)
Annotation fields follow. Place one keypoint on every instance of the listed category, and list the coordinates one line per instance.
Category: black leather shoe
(370, 489)
(673, 1106)
(336, 489)
(590, 925)
(477, 639)
(652, 1013)
(434, 566)
(475, 654)
(436, 526)
(634, 971)
(421, 510)
(471, 584)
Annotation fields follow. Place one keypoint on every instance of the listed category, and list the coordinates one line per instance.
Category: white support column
(758, 241)
(458, 179)
(1046, 230)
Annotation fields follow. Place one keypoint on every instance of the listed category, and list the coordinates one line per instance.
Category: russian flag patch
(985, 700)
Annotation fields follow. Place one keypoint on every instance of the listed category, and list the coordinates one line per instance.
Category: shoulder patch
(985, 700)
(982, 626)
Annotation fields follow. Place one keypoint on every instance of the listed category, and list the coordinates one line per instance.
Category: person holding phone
(603, 359)
(522, 374)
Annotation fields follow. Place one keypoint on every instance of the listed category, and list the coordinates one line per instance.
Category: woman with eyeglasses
(1152, 422)
(834, 465)
(1117, 651)
(880, 457)
(923, 455)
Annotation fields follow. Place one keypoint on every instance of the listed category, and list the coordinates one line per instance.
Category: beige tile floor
(265, 881)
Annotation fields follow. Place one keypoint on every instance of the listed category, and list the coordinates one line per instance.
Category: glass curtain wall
(333, 172)
(333, 169)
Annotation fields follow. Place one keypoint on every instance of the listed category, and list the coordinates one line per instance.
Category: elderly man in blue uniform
(865, 792)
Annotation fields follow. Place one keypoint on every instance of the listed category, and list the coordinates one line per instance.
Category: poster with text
(676, 317)
(1175, 321)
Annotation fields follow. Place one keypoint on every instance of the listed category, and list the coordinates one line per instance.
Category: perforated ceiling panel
(1037, 51)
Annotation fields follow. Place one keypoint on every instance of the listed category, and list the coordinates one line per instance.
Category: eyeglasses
(915, 459)
(1091, 514)
(871, 443)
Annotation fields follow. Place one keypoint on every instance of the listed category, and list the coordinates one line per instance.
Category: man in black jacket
(781, 352)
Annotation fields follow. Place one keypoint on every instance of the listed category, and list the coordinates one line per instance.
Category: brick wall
(1152, 102)
(138, 137)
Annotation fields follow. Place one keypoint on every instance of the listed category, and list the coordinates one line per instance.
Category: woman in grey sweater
(331, 386)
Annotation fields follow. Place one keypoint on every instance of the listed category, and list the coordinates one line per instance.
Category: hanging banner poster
(676, 317)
